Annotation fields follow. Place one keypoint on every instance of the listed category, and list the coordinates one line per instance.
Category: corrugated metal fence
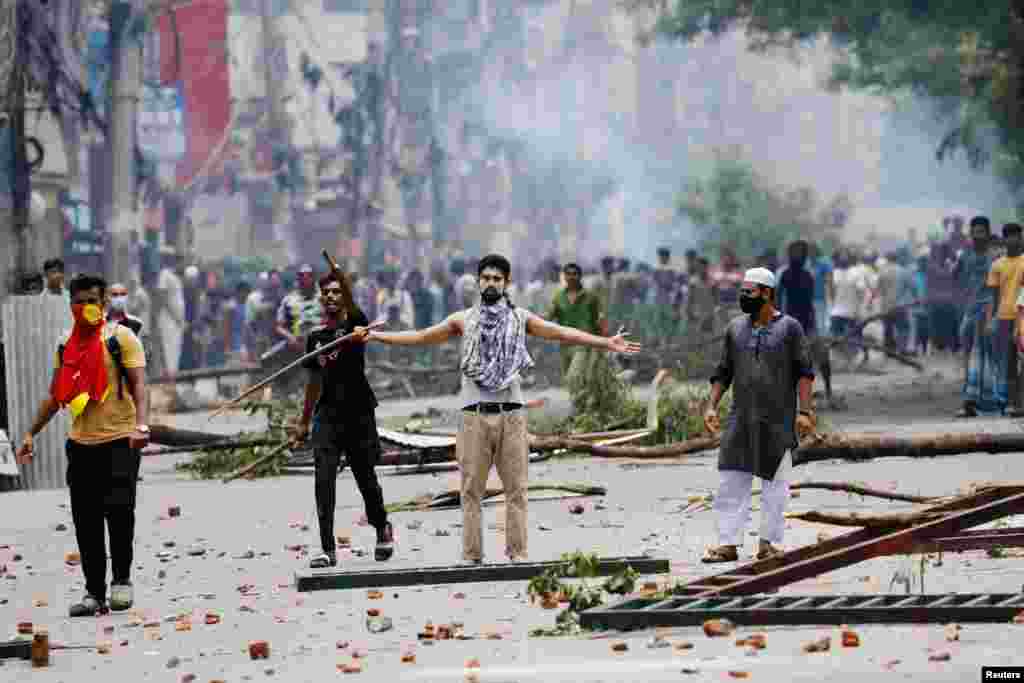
(32, 326)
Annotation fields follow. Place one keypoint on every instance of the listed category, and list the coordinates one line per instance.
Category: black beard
(490, 296)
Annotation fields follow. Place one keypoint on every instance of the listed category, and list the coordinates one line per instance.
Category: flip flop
(719, 555)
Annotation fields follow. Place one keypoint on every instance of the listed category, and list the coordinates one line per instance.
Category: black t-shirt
(798, 284)
(346, 390)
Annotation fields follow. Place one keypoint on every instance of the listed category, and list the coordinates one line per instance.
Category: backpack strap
(114, 348)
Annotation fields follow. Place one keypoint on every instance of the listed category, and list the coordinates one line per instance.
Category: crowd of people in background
(954, 294)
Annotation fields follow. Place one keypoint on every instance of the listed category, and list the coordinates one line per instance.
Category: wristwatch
(142, 428)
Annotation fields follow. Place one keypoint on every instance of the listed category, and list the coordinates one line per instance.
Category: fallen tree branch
(215, 446)
(453, 498)
(702, 443)
(881, 521)
(860, 447)
(258, 462)
(875, 346)
(861, 491)
(172, 436)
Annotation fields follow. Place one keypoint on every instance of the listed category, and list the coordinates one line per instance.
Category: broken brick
(683, 645)
(212, 619)
(40, 602)
(1019, 619)
(473, 663)
(259, 649)
(850, 638)
(342, 644)
(619, 646)
(576, 508)
(739, 674)
(942, 656)
(819, 645)
(373, 612)
(408, 658)
(758, 641)
(952, 632)
(714, 628)
(459, 596)
(174, 511)
(72, 558)
(444, 632)
(374, 595)
(352, 667)
(25, 628)
(104, 647)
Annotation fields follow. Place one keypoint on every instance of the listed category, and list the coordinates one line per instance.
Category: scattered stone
(714, 628)
(442, 532)
(161, 575)
(61, 527)
(689, 671)
(40, 602)
(352, 667)
(72, 558)
(576, 508)
(25, 628)
(414, 525)
(247, 555)
(941, 656)
(649, 590)
(104, 647)
(620, 646)
(183, 624)
(373, 612)
(891, 663)
(173, 662)
(820, 645)
(459, 596)
(682, 645)
(174, 511)
(196, 551)
(850, 638)
(757, 641)
(657, 642)
(739, 674)
(1019, 619)
(374, 595)
(17, 558)
(269, 671)
(170, 544)
(344, 541)
(379, 624)
(473, 663)
(259, 649)
(408, 658)
(188, 678)
(212, 619)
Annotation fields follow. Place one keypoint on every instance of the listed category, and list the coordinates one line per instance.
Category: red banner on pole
(193, 51)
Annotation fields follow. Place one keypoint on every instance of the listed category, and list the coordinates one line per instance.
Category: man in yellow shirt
(1004, 278)
(106, 398)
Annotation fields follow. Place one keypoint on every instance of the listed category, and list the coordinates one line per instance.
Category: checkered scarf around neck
(497, 352)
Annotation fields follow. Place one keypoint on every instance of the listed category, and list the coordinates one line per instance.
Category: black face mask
(490, 296)
(797, 263)
(751, 305)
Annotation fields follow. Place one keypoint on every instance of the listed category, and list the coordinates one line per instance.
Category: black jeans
(356, 437)
(103, 479)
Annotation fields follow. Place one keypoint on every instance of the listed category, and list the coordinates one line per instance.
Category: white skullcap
(191, 272)
(760, 276)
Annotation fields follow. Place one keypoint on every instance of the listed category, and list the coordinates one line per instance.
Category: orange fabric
(82, 370)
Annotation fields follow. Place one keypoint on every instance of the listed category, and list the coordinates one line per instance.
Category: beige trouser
(483, 441)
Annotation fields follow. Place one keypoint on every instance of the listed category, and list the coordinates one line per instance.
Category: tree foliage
(738, 208)
(967, 56)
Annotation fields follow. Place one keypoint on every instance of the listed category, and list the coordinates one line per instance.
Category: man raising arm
(492, 431)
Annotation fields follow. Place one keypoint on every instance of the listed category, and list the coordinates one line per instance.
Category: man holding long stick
(493, 426)
(343, 403)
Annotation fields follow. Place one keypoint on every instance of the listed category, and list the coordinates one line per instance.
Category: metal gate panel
(32, 326)
(793, 610)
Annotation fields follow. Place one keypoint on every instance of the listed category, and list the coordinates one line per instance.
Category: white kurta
(171, 331)
(732, 504)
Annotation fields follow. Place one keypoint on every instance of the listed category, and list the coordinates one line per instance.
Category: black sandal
(323, 561)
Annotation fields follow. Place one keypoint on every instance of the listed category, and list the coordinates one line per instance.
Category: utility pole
(21, 186)
(277, 118)
(126, 79)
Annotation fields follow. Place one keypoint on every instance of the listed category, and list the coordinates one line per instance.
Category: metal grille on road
(313, 580)
(796, 609)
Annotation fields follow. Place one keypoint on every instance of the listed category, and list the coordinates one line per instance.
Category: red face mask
(87, 315)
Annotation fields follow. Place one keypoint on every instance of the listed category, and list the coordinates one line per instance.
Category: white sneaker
(121, 597)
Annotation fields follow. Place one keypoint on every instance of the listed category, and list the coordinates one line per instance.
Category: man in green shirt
(578, 308)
